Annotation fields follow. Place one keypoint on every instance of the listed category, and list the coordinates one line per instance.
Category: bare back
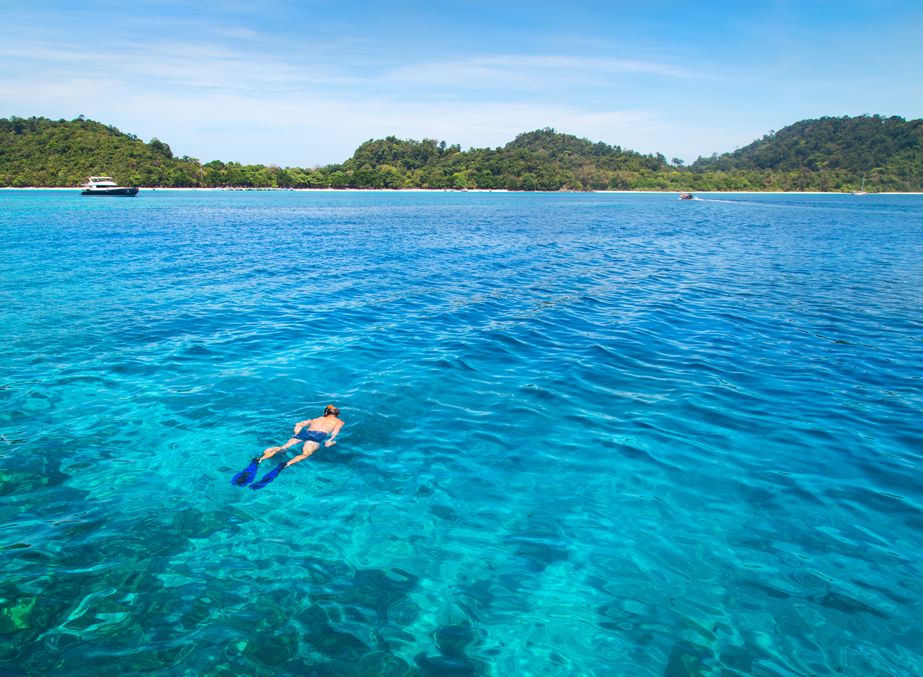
(326, 424)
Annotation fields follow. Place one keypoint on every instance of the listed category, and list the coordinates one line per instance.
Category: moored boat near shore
(104, 185)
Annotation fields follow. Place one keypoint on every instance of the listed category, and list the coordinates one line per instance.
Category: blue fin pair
(245, 476)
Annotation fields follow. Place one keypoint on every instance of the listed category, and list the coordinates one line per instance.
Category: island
(836, 154)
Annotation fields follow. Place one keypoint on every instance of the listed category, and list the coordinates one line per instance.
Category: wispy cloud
(164, 64)
(324, 130)
(240, 33)
(529, 71)
(214, 101)
(303, 82)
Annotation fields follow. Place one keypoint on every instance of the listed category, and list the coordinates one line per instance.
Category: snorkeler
(312, 432)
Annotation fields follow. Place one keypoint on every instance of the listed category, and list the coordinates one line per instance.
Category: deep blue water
(588, 434)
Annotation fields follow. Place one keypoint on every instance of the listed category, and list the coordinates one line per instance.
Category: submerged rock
(451, 640)
(688, 660)
(16, 615)
(326, 639)
(382, 664)
(273, 651)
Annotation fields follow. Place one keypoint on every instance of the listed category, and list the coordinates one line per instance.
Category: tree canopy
(831, 153)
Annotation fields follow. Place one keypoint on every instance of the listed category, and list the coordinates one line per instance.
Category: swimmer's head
(331, 410)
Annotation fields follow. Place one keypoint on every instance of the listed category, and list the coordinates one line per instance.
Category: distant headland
(831, 154)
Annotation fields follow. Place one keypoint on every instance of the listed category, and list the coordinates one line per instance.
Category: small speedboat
(104, 185)
(685, 196)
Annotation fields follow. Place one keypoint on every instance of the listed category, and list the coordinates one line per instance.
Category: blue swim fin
(269, 477)
(245, 476)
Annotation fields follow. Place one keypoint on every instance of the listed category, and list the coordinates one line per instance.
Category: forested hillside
(539, 160)
(834, 151)
(42, 152)
(826, 154)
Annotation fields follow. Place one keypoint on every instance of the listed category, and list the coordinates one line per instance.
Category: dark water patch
(689, 660)
(197, 524)
(634, 453)
(20, 482)
(178, 425)
(537, 545)
(477, 596)
(793, 487)
(758, 497)
(736, 660)
(139, 543)
(323, 572)
(320, 634)
(847, 604)
(444, 512)
(453, 640)
(372, 589)
(273, 650)
(894, 595)
(539, 553)
(381, 664)
(890, 476)
(762, 590)
(491, 438)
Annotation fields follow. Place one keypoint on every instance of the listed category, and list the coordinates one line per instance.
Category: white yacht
(104, 185)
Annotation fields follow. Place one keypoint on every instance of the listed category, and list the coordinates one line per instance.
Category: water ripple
(587, 434)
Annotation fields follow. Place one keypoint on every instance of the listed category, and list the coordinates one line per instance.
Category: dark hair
(331, 410)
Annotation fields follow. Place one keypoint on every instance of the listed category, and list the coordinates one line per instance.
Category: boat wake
(717, 199)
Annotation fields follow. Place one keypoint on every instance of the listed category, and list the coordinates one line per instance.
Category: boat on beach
(104, 185)
(686, 196)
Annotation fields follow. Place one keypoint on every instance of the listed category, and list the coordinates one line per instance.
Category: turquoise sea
(587, 434)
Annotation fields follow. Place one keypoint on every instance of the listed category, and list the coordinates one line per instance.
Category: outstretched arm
(300, 425)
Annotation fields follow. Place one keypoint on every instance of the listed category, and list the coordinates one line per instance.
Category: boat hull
(112, 192)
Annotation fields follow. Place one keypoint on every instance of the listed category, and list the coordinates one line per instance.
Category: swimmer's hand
(330, 443)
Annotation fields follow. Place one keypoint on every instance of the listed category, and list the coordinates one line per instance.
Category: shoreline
(469, 190)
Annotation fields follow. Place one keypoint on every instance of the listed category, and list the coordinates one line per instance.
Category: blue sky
(304, 83)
